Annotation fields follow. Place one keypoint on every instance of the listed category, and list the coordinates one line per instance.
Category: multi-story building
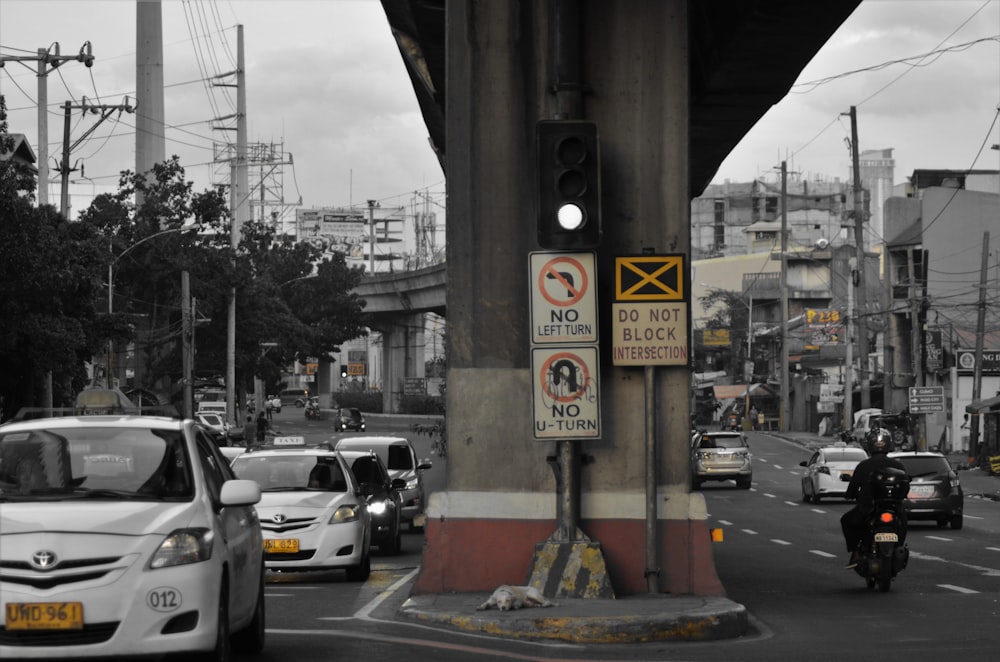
(936, 231)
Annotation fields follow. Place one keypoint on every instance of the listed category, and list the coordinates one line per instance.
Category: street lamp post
(111, 288)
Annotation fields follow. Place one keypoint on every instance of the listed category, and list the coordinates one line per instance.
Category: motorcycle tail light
(886, 517)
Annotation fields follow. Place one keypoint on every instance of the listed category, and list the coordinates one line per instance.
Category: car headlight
(412, 484)
(183, 546)
(376, 507)
(348, 513)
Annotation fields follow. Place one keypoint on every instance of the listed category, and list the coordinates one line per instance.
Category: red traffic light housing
(569, 184)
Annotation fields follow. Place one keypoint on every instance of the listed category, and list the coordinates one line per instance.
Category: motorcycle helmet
(879, 442)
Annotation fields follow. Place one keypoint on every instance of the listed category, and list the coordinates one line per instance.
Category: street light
(111, 284)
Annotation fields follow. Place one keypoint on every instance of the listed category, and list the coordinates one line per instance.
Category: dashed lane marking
(819, 552)
(780, 542)
(957, 589)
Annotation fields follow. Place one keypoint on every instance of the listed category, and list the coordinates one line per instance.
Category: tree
(730, 311)
(50, 286)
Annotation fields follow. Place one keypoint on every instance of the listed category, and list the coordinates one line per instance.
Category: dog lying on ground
(507, 597)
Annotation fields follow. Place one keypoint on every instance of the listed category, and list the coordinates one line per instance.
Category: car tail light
(886, 518)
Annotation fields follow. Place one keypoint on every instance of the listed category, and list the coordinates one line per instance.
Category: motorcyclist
(855, 521)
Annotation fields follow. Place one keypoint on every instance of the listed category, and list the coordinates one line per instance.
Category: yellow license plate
(281, 545)
(44, 615)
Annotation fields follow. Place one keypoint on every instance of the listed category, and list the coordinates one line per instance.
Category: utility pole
(372, 204)
(849, 352)
(977, 374)
(859, 242)
(64, 170)
(784, 414)
(48, 60)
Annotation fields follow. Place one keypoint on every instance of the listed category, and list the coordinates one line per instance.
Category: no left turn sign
(563, 298)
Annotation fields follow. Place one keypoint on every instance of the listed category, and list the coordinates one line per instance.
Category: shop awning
(987, 406)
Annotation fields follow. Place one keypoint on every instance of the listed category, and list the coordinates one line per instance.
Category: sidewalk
(643, 618)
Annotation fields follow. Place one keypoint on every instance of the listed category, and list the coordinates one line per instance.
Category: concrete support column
(501, 495)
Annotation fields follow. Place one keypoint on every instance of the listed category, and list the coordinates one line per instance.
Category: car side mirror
(803, 463)
(424, 465)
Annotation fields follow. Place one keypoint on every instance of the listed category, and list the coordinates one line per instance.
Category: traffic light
(343, 372)
(569, 184)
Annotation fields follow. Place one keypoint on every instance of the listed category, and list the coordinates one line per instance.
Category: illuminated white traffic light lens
(570, 217)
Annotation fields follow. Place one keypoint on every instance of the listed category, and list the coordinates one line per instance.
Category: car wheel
(361, 571)
(222, 651)
(397, 543)
(805, 497)
(695, 483)
(816, 498)
(250, 639)
(956, 522)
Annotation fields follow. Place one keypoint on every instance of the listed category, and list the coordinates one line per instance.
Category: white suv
(124, 535)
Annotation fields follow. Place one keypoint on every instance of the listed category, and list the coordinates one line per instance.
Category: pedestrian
(261, 427)
(753, 417)
(760, 420)
(269, 408)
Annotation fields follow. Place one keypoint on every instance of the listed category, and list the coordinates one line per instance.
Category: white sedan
(312, 511)
(829, 471)
(123, 535)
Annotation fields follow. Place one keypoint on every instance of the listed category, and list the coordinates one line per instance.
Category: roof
(987, 406)
(22, 151)
(744, 56)
(730, 391)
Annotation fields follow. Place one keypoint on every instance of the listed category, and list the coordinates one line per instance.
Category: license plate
(281, 545)
(886, 537)
(44, 615)
(921, 491)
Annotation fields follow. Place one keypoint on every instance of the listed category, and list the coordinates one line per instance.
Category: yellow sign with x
(649, 278)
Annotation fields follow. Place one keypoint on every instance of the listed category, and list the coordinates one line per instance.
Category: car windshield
(289, 473)
(94, 462)
(721, 441)
(925, 466)
(846, 455)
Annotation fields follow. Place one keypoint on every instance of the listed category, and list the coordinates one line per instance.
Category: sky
(326, 81)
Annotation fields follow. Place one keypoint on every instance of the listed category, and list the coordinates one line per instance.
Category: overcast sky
(325, 78)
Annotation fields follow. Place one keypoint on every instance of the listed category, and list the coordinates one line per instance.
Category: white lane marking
(793, 503)
(957, 589)
(819, 552)
(818, 510)
(778, 467)
(365, 611)
(988, 572)
(749, 532)
(725, 522)
(994, 549)
(940, 538)
(780, 542)
(770, 496)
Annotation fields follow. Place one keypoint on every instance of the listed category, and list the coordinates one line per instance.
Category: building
(935, 235)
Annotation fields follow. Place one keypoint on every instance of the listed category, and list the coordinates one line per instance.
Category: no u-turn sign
(565, 385)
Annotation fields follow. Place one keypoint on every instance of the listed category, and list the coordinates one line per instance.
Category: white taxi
(312, 511)
(829, 470)
(122, 535)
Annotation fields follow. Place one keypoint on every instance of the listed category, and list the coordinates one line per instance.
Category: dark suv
(935, 491)
(350, 418)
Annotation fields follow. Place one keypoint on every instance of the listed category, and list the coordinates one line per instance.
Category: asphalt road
(781, 558)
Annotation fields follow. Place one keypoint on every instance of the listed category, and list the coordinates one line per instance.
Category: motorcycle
(883, 552)
(312, 411)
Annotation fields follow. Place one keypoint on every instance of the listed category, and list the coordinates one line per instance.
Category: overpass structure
(397, 302)
(673, 85)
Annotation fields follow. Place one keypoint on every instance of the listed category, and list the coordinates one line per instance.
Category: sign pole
(652, 572)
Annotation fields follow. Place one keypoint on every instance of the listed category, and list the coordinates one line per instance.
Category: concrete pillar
(501, 494)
